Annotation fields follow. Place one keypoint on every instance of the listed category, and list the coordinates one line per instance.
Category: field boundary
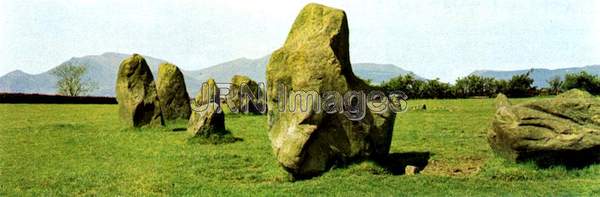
(54, 99)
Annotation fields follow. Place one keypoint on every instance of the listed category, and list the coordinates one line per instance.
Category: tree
(70, 81)
(555, 85)
(583, 81)
(502, 86)
(408, 83)
(474, 85)
(461, 88)
(520, 85)
(436, 89)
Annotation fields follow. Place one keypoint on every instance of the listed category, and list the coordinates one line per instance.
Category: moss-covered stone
(575, 93)
(209, 93)
(172, 93)
(136, 93)
(208, 121)
(562, 130)
(239, 102)
(315, 59)
(207, 118)
(502, 101)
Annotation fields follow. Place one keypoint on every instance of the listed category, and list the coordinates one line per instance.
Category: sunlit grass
(84, 150)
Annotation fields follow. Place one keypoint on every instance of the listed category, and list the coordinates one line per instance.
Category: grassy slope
(82, 149)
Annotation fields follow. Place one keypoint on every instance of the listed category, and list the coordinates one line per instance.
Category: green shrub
(583, 81)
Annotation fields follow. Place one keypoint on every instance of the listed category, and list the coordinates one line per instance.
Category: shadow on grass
(396, 163)
(215, 139)
(571, 160)
(178, 129)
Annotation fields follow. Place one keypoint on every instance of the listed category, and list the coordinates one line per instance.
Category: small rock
(411, 170)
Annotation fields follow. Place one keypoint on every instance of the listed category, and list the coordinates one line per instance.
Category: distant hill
(20, 82)
(379, 72)
(539, 75)
(223, 72)
(103, 69)
(256, 68)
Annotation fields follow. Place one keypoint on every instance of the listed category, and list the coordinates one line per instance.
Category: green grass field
(83, 150)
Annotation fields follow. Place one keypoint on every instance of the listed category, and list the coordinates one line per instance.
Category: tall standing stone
(136, 93)
(172, 93)
(241, 89)
(207, 117)
(315, 59)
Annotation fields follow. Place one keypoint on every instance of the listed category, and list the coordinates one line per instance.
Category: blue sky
(444, 39)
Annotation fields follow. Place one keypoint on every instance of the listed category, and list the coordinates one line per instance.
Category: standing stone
(239, 101)
(562, 130)
(207, 117)
(172, 93)
(136, 93)
(315, 59)
(209, 93)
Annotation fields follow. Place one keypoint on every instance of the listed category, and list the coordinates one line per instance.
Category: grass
(83, 150)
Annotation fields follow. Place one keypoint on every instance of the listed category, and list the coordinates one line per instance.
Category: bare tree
(70, 81)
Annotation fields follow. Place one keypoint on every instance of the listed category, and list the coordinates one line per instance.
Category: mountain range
(540, 76)
(102, 70)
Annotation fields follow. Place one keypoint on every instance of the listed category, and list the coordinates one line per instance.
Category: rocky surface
(241, 102)
(562, 130)
(315, 58)
(207, 117)
(172, 93)
(136, 94)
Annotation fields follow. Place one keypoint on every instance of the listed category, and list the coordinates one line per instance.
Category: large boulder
(562, 130)
(250, 100)
(136, 93)
(172, 93)
(207, 118)
(315, 60)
